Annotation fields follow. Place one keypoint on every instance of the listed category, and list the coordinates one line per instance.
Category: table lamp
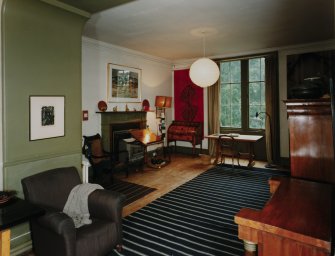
(161, 103)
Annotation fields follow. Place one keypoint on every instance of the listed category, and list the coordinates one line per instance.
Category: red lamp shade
(163, 101)
(159, 102)
(168, 101)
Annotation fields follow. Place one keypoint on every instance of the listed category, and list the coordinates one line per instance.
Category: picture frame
(123, 83)
(47, 117)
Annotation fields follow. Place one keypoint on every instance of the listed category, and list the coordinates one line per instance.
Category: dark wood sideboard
(297, 221)
(311, 139)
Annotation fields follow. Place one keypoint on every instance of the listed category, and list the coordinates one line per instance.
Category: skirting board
(25, 247)
(187, 150)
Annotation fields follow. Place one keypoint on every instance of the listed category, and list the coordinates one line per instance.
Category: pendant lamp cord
(204, 43)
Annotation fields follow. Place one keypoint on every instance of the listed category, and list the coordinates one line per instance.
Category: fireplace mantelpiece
(118, 121)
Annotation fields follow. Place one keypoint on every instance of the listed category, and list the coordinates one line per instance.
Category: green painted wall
(41, 54)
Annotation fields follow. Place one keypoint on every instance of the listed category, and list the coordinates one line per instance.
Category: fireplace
(115, 128)
(118, 145)
(118, 132)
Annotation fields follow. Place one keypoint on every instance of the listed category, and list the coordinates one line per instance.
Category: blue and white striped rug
(197, 218)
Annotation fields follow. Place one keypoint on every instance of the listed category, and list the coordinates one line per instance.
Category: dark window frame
(244, 95)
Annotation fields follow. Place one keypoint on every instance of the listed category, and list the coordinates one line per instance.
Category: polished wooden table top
(145, 136)
(298, 210)
(17, 211)
(240, 137)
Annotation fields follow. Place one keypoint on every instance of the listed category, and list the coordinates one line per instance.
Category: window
(242, 93)
(231, 94)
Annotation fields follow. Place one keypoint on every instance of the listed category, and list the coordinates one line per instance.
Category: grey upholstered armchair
(55, 234)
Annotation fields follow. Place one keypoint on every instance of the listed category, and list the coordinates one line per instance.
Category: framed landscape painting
(46, 117)
(123, 84)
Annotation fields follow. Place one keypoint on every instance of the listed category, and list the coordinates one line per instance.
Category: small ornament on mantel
(127, 109)
(115, 109)
(134, 109)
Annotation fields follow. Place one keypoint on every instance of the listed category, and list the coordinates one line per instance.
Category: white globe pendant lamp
(204, 72)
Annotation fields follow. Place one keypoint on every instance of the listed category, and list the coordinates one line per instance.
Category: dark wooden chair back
(93, 150)
(228, 148)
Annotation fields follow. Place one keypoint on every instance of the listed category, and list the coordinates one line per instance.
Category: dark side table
(14, 212)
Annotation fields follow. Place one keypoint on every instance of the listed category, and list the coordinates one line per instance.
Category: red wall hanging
(188, 98)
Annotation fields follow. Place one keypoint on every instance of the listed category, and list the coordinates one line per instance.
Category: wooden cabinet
(297, 220)
(311, 139)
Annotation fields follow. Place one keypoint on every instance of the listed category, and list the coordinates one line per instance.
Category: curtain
(271, 103)
(213, 101)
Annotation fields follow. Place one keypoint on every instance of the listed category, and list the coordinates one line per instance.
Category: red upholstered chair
(186, 131)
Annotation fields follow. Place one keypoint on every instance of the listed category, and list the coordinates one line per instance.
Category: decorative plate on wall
(145, 105)
(102, 106)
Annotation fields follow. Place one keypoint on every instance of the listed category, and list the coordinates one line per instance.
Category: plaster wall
(41, 55)
(156, 80)
(282, 94)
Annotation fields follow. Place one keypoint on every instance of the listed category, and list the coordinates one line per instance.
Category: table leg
(5, 242)
(250, 253)
(85, 167)
(145, 151)
(217, 151)
(251, 155)
(250, 248)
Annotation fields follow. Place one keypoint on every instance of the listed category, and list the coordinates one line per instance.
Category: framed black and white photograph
(46, 117)
(124, 84)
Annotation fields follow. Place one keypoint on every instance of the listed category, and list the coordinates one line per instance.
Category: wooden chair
(228, 149)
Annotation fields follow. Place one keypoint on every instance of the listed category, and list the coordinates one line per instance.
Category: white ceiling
(163, 27)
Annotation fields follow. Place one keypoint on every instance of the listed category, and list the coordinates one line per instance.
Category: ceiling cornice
(326, 45)
(67, 7)
(107, 46)
(94, 6)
